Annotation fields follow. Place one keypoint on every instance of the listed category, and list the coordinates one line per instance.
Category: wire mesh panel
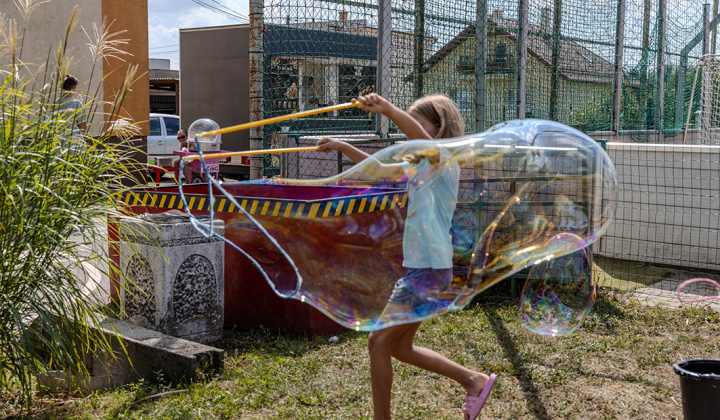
(657, 88)
(504, 59)
(710, 100)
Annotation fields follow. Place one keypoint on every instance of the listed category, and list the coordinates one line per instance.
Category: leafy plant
(56, 189)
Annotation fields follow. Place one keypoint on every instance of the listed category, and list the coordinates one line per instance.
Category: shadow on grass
(532, 395)
(263, 341)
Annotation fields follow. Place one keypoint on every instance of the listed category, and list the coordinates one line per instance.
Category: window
(500, 53)
(463, 99)
(155, 127)
(172, 125)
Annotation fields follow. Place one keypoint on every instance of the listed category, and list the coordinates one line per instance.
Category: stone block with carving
(173, 276)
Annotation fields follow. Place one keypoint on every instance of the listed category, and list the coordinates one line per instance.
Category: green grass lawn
(617, 365)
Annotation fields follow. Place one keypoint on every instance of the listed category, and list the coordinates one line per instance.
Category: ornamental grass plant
(56, 188)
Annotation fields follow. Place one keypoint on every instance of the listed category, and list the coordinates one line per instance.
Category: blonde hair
(442, 112)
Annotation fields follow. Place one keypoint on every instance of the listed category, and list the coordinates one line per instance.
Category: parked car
(162, 140)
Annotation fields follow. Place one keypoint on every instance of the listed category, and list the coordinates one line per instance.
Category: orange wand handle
(279, 119)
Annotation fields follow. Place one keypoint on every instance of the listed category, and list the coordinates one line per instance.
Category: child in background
(427, 246)
(182, 138)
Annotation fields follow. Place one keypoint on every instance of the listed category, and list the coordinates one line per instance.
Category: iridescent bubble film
(421, 227)
(558, 293)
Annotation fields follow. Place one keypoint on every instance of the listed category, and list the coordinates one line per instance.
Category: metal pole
(644, 90)
(480, 64)
(714, 31)
(419, 56)
(521, 97)
(660, 103)
(692, 97)
(384, 53)
(256, 84)
(554, 68)
(619, 41)
(680, 101)
(706, 29)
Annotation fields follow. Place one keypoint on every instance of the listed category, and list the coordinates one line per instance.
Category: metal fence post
(521, 97)
(706, 29)
(555, 66)
(660, 103)
(619, 45)
(714, 30)
(419, 55)
(256, 84)
(480, 63)
(384, 53)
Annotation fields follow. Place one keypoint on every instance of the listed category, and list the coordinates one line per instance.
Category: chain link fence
(622, 69)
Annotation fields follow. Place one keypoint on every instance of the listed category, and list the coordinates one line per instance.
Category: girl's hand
(374, 103)
(327, 144)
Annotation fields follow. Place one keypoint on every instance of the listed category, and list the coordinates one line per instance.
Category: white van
(162, 140)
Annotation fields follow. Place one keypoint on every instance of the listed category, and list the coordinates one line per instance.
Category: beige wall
(46, 29)
(215, 81)
(444, 77)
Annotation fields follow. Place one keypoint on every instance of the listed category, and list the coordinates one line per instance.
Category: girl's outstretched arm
(327, 144)
(407, 124)
(376, 169)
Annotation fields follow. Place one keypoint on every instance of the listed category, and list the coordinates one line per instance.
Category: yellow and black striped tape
(270, 207)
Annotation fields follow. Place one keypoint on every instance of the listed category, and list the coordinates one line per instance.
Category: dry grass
(626, 275)
(618, 365)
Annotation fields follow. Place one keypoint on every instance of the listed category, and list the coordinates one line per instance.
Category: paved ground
(664, 293)
(93, 272)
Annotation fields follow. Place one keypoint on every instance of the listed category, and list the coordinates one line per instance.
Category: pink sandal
(473, 405)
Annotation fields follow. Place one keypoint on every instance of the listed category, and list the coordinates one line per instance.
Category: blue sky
(166, 17)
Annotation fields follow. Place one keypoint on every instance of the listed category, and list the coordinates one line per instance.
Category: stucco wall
(47, 26)
(46, 29)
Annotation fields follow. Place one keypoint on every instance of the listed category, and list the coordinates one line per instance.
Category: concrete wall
(214, 79)
(46, 29)
(651, 136)
(668, 209)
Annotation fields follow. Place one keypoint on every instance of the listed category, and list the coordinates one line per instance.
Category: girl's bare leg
(380, 344)
(396, 342)
(404, 350)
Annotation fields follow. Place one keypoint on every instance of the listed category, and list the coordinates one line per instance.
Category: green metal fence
(593, 65)
(621, 66)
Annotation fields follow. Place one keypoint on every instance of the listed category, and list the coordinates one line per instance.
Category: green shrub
(55, 189)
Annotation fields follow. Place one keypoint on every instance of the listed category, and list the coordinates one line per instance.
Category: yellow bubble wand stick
(266, 122)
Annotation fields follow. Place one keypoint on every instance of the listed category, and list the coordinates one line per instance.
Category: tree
(598, 114)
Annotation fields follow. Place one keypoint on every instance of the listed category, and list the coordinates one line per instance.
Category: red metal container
(344, 229)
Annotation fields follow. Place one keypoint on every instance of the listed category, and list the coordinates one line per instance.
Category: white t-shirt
(432, 195)
(68, 109)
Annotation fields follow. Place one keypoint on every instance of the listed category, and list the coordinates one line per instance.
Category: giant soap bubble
(559, 292)
(201, 126)
(516, 194)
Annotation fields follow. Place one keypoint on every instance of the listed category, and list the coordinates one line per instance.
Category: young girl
(429, 261)
(182, 137)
